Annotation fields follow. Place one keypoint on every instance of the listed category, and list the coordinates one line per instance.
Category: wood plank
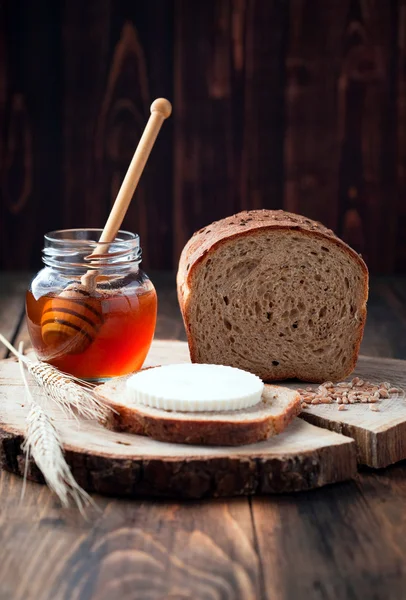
(385, 330)
(381, 334)
(398, 285)
(165, 352)
(108, 462)
(82, 98)
(229, 120)
(12, 298)
(331, 545)
(345, 80)
(31, 158)
(340, 89)
(366, 96)
(262, 163)
(385, 495)
(206, 551)
(380, 436)
(169, 322)
(3, 91)
(312, 143)
(109, 86)
(400, 258)
(134, 549)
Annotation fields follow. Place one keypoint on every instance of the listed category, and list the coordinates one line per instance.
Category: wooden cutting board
(301, 458)
(380, 437)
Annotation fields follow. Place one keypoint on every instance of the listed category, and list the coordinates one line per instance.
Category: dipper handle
(160, 110)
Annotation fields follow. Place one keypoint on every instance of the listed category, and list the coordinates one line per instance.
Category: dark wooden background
(299, 104)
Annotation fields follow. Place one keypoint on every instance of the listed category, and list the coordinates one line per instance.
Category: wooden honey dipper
(71, 320)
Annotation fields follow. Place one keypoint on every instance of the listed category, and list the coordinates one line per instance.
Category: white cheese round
(195, 387)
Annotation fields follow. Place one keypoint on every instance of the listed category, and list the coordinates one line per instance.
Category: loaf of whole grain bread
(273, 293)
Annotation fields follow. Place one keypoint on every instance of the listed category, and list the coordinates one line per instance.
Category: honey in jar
(97, 330)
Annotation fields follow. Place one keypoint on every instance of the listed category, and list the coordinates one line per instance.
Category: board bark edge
(193, 478)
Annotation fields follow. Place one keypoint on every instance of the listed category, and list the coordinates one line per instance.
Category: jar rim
(58, 236)
(74, 249)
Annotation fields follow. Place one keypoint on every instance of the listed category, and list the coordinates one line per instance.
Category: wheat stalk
(72, 395)
(43, 443)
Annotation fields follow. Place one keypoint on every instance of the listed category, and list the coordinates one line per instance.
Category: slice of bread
(276, 410)
(273, 293)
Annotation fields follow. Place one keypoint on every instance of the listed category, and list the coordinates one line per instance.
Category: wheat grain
(357, 391)
(72, 395)
(42, 442)
(394, 390)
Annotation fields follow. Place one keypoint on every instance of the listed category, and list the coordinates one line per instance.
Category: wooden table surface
(346, 541)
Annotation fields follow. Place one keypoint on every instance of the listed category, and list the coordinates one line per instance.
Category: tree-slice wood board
(301, 458)
(380, 437)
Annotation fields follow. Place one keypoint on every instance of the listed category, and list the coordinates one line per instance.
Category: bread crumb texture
(283, 300)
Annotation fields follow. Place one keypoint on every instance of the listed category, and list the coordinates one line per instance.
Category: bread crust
(205, 241)
(219, 432)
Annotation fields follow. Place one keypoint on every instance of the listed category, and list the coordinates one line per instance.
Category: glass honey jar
(91, 311)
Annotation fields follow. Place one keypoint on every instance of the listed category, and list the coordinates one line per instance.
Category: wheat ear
(43, 443)
(72, 395)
